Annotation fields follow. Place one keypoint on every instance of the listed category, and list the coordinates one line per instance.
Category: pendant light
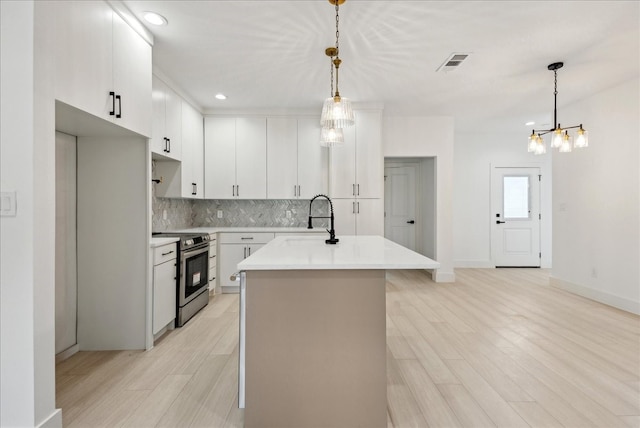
(330, 136)
(560, 138)
(337, 111)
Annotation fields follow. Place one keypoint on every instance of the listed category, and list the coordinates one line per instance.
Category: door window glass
(515, 195)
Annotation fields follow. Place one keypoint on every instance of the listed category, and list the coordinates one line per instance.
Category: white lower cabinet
(164, 286)
(235, 247)
(358, 216)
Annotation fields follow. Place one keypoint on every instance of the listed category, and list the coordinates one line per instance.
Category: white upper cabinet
(359, 216)
(185, 178)
(235, 158)
(357, 166)
(282, 158)
(193, 152)
(297, 166)
(166, 137)
(313, 159)
(251, 155)
(103, 66)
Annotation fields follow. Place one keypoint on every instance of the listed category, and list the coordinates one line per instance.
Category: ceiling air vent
(454, 61)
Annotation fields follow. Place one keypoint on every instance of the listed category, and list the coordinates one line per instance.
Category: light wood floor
(498, 348)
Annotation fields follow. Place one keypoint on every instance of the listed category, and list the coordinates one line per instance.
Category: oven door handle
(196, 252)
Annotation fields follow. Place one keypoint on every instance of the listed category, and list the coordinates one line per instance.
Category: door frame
(545, 208)
(403, 162)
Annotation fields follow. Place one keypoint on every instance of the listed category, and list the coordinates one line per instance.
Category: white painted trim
(483, 264)
(596, 295)
(128, 16)
(61, 356)
(53, 421)
(439, 276)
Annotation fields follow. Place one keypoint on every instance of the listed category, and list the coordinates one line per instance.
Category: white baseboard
(483, 264)
(439, 276)
(598, 296)
(53, 421)
(67, 353)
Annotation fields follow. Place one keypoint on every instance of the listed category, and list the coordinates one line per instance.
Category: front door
(515, 217)
(400, 205)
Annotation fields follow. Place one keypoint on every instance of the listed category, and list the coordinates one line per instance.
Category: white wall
(423, 136)
(473, 159)
(27, 160)
(596, 192)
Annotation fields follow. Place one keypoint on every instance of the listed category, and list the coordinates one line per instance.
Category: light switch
(8, 204)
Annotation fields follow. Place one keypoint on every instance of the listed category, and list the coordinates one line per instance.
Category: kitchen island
(313, 331)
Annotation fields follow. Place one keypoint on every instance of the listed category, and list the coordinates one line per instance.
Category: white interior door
(515, 217)
(66, 283)
(400, 205)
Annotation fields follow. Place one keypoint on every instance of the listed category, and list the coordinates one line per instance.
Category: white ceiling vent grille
(454, 61)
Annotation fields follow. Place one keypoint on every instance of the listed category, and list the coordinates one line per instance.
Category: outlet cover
(219, 213)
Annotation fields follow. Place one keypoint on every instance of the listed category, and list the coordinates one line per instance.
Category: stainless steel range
(192, 279)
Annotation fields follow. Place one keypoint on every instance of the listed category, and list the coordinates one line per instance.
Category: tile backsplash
(185, 213)
(173, 214)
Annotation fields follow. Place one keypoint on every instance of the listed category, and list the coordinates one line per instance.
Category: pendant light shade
(337, 113)
(582, 139)
(331, 137)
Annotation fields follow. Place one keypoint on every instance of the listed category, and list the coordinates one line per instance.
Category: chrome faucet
(332, 233)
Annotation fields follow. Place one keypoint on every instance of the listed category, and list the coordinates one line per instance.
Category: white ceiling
(270, 54)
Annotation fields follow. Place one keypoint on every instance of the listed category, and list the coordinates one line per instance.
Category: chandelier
(560, 137)
(337, 112)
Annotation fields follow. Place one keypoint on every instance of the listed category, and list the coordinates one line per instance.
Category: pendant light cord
(337, 60)
(555, 99)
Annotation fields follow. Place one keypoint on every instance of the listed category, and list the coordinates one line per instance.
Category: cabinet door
(369, 161)
(251, 158)
(84, 75)
(192, 152)
(369, 217)
(173, 123)
(282, 158)
(158, 132)
(229, 257)
(252, 248)
(131, 77)
(313, 159)
(164, 294)
(345, 218)
(343, 166)
(220, 157)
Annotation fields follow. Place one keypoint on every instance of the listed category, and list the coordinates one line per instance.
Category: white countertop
(158, 242)
(253, 229)
(352, 252)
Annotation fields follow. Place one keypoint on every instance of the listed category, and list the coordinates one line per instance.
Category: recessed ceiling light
(221, 97)
(529, 124)
(154, 18)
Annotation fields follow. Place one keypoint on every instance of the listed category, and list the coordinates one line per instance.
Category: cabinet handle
(113, 103)
(295, 190)
(248, 237)
(169, 142)
(353, 207)
(358, 205)
(233, 190)
(358, 190)
(119, 98)
(194, 189)
(353, 189)
(237, 190)
(245, 252)
(165, 145)
(166, 254)
(299, 193)
(249, 250)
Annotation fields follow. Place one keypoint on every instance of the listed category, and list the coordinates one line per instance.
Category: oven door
(195, 274)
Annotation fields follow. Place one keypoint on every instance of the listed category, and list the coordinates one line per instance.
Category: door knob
(499, 222)
(411, 222)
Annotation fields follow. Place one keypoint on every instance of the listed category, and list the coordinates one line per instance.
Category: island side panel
(315, 348)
